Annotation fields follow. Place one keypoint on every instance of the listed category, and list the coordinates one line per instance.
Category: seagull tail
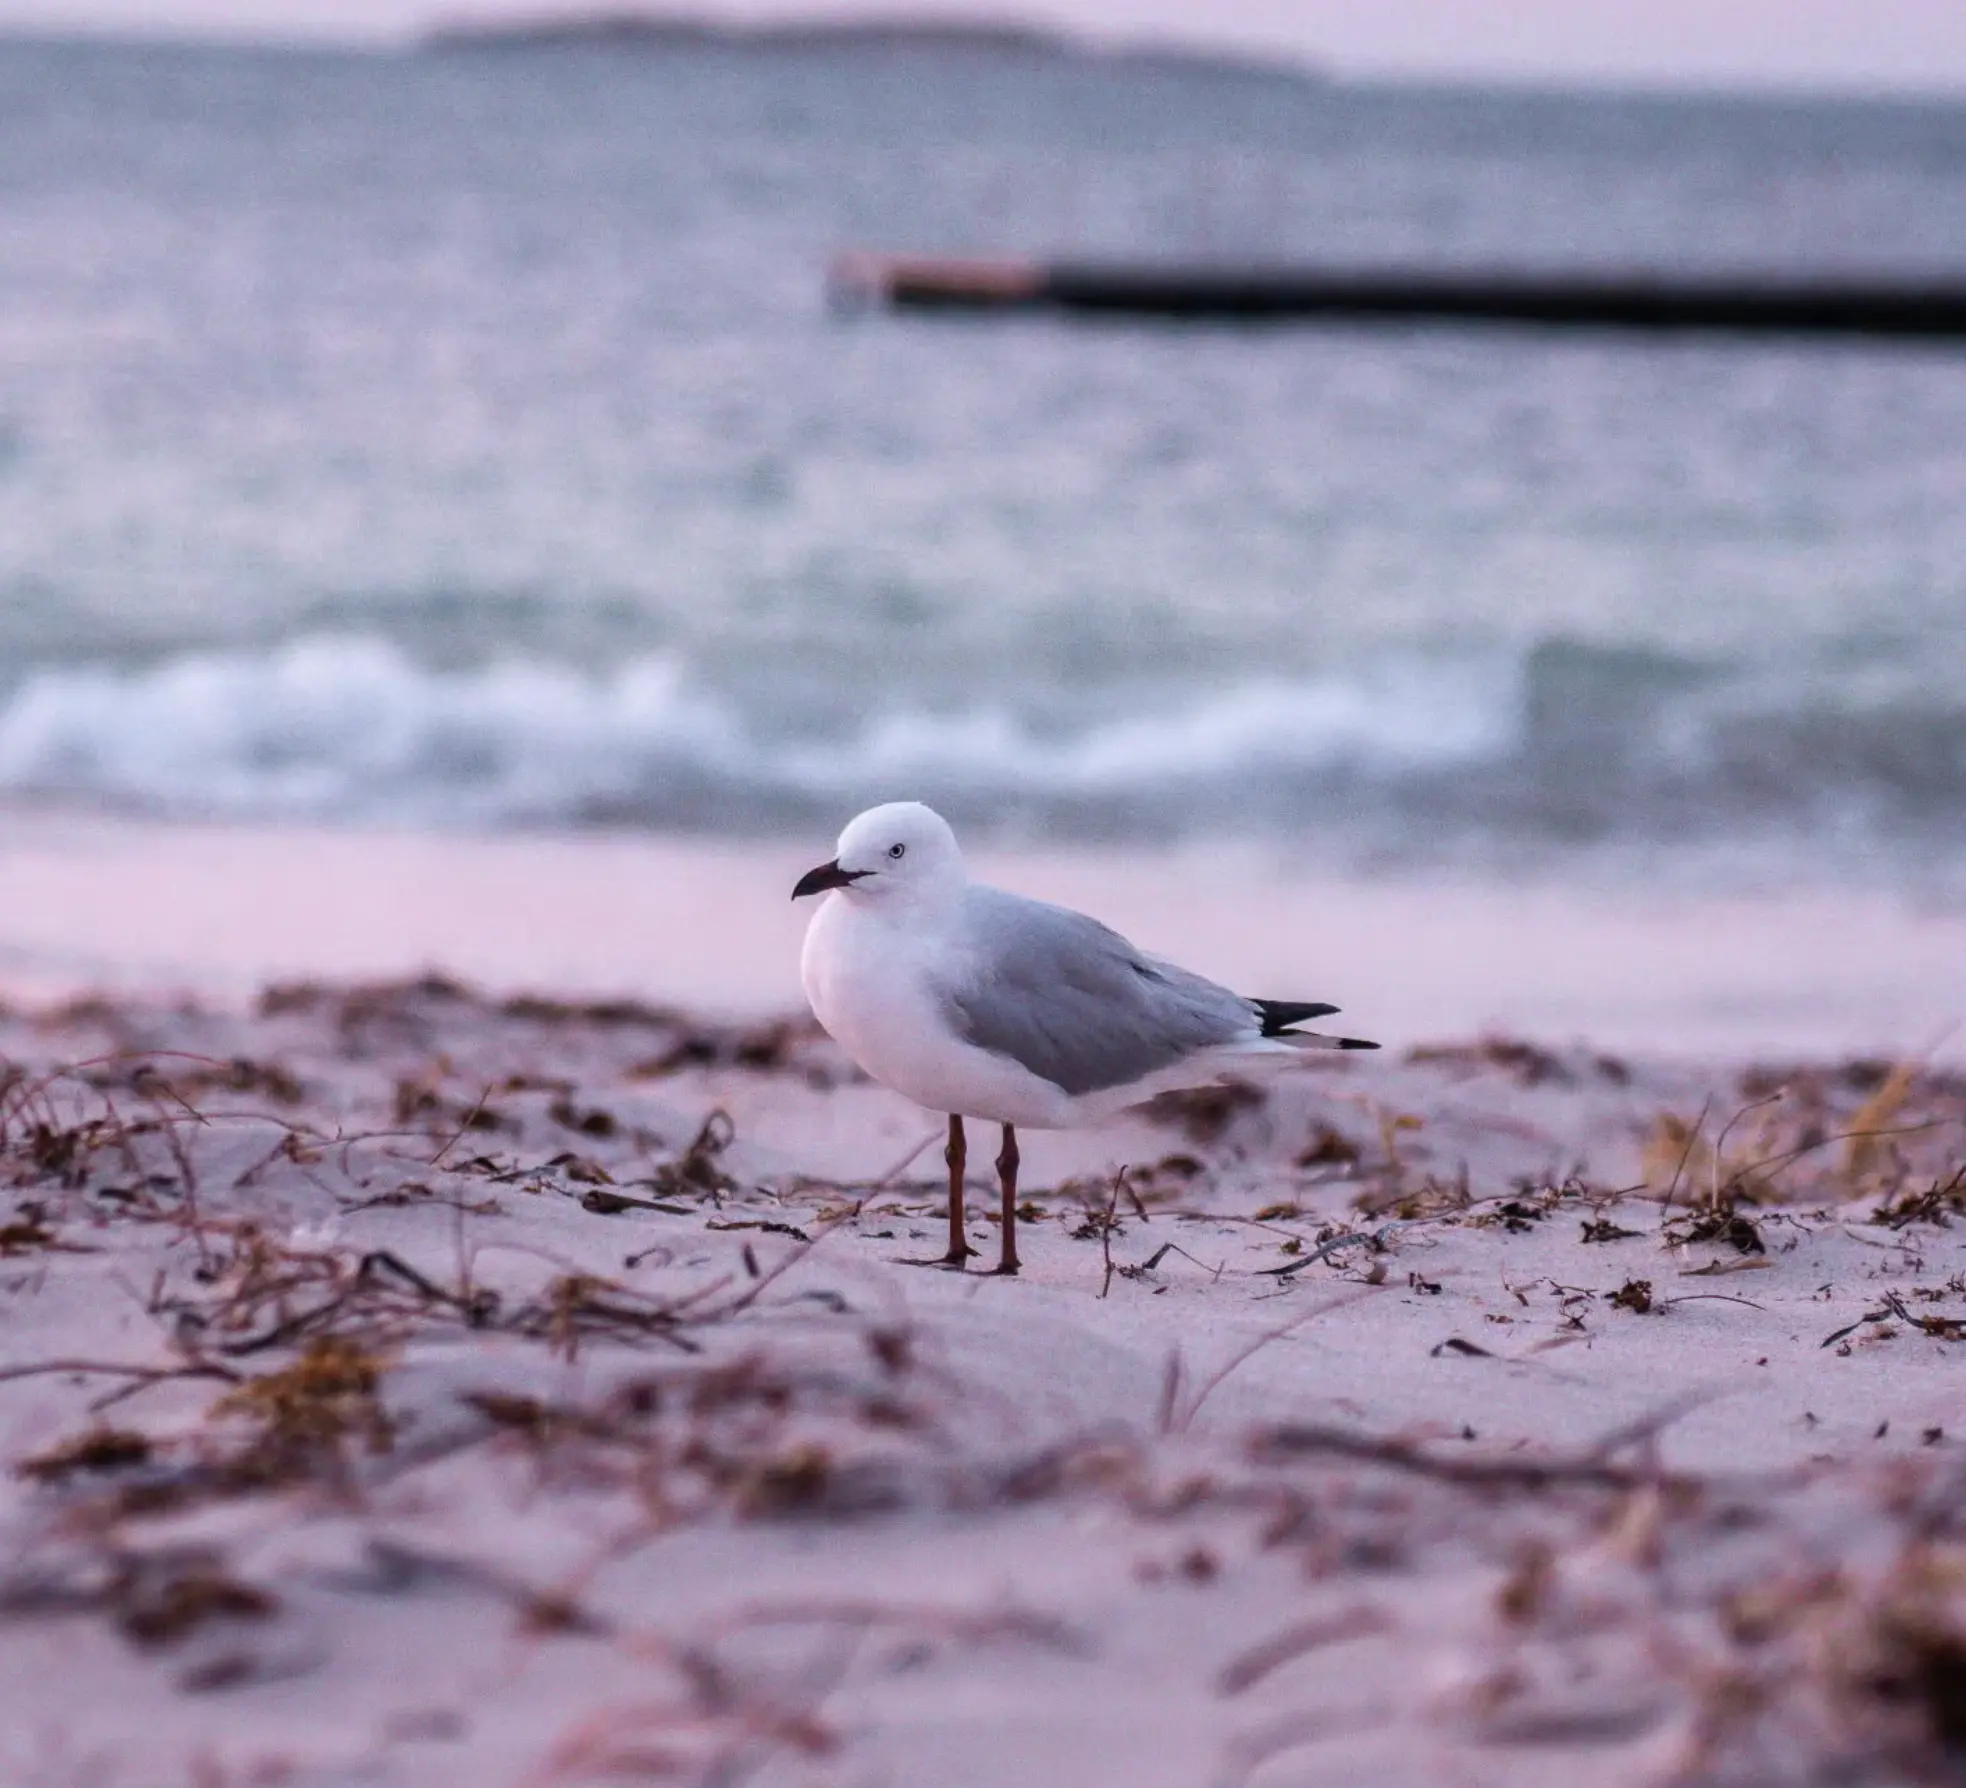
(1319, 1040)
(1279, 1015)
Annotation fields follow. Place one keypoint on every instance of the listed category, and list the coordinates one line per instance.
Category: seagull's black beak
(827, 875)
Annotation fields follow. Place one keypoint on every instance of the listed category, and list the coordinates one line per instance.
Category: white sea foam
(1480, 757)
(353, 727)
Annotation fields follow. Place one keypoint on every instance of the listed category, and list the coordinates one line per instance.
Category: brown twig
(1244, 1355)
(1686, 1154)
(1106, 1231)
(1293, 1440)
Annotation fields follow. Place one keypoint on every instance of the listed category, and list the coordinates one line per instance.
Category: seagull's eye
(897, 850)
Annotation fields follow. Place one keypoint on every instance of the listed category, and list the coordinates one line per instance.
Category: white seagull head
(902, 849)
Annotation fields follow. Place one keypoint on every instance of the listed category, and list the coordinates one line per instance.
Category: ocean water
(467, 438)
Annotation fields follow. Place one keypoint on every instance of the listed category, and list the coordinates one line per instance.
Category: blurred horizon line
(630, 32)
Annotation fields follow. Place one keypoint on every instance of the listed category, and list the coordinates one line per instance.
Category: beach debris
(1939, 1327)
(96, 1451)
(1329, 1147)
(697, 1169)
(1602, 1229)
(1203, 1114)
(1715, 1224)
(331, 1335)
(1524, 1062)
(161, 1598)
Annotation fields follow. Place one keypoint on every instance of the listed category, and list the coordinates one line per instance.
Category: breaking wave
(354, 727)
(1560, 746)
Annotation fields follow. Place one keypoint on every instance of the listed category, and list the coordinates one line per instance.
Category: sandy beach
(411, 1384)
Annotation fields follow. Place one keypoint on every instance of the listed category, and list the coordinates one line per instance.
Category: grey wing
(1078, 1005)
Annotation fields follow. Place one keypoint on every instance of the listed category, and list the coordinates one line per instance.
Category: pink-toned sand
(88, 902)
(407, 1386)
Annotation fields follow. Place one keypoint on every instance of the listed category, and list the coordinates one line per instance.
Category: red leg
(957, 1155)
(1007, 1179)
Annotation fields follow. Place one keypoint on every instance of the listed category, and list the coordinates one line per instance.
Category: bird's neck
(918, 910)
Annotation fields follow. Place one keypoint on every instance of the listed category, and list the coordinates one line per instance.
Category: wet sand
(223, 909)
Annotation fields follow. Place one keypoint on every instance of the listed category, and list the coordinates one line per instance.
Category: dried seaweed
(1204, 1114)
(1522, 1061)
(96, 1451)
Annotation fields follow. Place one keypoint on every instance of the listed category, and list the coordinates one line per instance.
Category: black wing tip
(1355, 1043)
(1279, 1015)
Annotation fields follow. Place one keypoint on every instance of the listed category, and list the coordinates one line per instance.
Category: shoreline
(217, 911)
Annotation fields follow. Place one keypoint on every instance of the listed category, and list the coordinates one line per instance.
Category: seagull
(976, 1002)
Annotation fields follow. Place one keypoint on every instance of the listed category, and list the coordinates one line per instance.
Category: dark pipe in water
(1759, 304)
